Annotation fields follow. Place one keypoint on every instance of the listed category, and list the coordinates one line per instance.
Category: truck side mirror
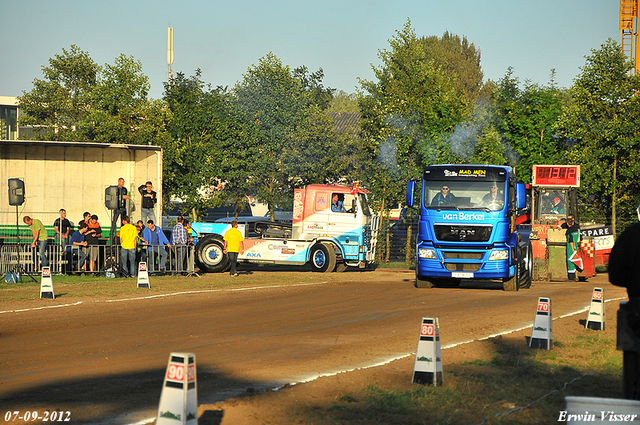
(521, 196)
(354, 207)
(411, 187)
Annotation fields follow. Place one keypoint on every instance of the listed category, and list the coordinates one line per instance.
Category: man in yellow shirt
(128, 242)
(233, 244)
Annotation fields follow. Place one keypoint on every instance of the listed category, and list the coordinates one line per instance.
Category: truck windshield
(451, 194)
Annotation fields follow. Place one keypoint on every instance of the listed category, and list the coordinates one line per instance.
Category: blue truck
(467, 226)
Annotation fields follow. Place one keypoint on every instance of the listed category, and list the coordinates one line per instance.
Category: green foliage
(295, 142)
(602, 119)
(525, 118)
(343, 102)
(62, 100)
(121, 111)
(208, 146)
(408, 113)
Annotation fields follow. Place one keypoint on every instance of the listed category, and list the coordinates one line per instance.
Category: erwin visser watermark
(603, 416)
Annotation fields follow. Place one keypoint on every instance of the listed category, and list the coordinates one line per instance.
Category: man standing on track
(233, 244)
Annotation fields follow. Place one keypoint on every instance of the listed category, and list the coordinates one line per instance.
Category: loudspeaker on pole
(179, 398)
(542, 333)
(111, 197)
(16, 192)
(427, 368)
(595, 318)
(46, 284)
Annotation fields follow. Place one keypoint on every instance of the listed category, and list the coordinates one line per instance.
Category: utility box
(557, 246)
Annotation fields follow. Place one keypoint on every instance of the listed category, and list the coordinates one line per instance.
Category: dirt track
(104, 361)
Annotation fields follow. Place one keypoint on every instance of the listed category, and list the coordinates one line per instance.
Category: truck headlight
(499, 254)
(427, 253)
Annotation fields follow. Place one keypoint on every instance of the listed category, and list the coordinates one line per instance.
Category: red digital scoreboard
(556, 175)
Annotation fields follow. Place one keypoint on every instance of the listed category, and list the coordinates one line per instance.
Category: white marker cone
(427, 368)
(179, 399)
(46, 284)
(595, 319)
(143, 276)
(542, 334)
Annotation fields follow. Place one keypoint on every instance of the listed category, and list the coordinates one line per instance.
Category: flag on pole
(577, 260)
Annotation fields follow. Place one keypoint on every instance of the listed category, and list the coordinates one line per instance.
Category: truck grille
(462, 267)
(462, 255)
(462, 233)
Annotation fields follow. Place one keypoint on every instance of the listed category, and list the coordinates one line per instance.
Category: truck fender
(333, 243)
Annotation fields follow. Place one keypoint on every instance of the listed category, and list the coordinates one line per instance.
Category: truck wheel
(209, 255)
(423, 283)
(323, 258)
(527, 278)
(513, 283)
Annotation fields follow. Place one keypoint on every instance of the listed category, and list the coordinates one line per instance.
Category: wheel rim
(213, 255)
(319, 259)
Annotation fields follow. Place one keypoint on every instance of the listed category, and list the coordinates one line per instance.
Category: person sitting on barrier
(77, 246)
(62, 227)
(154, 236)
(85, 218)
(94, 232)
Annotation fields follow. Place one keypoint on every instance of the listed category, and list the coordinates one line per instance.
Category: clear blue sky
(343, 37)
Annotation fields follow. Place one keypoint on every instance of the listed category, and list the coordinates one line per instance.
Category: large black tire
(513, 283)
(527, 276)
(323, 258)
(209, 255)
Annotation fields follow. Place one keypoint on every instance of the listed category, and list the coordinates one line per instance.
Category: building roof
(47, 143)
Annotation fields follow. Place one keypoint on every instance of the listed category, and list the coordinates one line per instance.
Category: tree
(525, 117)
(292, 139)
(62, 100)
(457, 57)
(208, 146)
(602, 119)
(120, 109)
(407, 115)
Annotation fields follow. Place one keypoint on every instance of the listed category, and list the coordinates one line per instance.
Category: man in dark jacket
(149, 201)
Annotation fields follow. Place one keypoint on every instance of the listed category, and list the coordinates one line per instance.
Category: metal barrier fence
(96, 259)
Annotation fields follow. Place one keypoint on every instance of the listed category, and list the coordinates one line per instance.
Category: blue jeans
(128, 255)
(233, 260)
(42, 250)
(148, 214)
